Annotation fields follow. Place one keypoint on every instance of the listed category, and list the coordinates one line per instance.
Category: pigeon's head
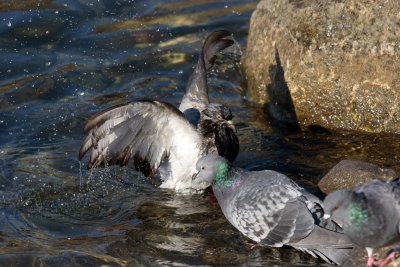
(216, 122)
(336, 203)
(347, 208)
(209, 168)
(218, 115)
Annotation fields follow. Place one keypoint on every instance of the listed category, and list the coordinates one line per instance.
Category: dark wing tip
(81, 153)
(214, 37)
(87, 144)
(122, 151)
(215, 42)
(89, 165)
(143, 165)
(99, 118)
(94, 121)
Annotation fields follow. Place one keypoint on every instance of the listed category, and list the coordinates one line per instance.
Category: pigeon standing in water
(162, 139)
(370, 215)
(272, 210)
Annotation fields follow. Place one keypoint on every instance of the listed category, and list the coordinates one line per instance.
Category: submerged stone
(350, 173)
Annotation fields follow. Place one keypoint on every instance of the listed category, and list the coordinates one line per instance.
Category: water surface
(62, 61)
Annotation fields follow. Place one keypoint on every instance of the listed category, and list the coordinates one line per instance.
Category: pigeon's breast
(180, 167)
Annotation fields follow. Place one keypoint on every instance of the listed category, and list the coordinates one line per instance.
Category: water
(64, 60)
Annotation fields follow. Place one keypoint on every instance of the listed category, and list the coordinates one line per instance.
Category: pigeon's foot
(250, 245)
(371, 262)
(211, 199)
(386, 261)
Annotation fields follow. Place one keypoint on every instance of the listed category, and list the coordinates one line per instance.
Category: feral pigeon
(272, 210)
(370, 215)
(162, 139)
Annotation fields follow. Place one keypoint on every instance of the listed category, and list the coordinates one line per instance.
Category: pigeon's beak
(196, 172)
(326, 216)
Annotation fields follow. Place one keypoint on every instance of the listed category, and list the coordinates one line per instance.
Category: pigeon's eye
(218, 117)
(203, 167)
(335, 208)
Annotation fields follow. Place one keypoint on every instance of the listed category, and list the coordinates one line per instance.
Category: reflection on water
(64, 60)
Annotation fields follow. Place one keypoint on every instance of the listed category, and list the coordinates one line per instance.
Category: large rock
(350, 173)
(331, 63)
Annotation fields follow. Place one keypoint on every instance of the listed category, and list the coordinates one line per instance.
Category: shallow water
(64, 60)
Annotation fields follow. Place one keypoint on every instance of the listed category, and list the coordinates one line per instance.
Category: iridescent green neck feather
(357, 214)
(223, 178)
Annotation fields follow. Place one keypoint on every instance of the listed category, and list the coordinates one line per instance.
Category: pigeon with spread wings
(161, 139)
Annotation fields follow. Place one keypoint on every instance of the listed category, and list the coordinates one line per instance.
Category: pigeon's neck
(227, 176)
(357, 214)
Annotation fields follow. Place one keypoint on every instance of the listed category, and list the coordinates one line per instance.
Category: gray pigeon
(162, 139)
(370, 215)
(272, 210)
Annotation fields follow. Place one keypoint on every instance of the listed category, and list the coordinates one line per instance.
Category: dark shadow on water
(280, 109)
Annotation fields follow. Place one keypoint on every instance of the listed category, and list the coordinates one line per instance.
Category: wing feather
(276, 214)
(196, 95)
(146, 131)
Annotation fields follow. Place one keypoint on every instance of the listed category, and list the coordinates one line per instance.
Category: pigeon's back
(265, 208)
(378, 192)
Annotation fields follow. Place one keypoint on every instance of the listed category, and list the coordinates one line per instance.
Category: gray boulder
(331, 63)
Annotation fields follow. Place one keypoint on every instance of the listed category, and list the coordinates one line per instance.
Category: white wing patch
(184, 153)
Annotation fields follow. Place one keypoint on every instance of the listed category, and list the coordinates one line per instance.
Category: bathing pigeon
(162, 139)
(370, 215)
(272, 210)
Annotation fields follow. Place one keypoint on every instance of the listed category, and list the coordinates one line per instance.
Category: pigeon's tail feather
(325, 239)
(329, 245)
(331, 255)
(214, 43)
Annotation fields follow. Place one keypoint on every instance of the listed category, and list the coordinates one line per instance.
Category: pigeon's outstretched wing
(150, 132)
(196, 96)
